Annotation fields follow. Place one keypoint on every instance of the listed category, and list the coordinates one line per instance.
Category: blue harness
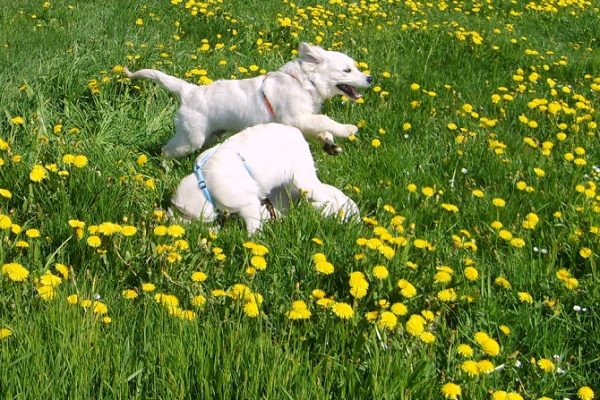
(200, 176)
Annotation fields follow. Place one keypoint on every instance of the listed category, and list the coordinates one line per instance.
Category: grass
(447, 148)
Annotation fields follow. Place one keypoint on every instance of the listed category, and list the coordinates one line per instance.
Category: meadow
(472, 273)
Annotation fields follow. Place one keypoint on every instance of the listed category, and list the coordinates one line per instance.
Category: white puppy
(239, 174)
(293, 95)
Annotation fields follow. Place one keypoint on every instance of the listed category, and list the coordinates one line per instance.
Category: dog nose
(369, 79)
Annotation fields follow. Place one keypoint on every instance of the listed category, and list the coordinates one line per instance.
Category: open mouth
(349, 91)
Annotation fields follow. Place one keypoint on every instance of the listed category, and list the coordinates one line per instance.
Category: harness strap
(200, 176)
(202, 182)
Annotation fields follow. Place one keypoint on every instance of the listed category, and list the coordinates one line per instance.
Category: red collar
(268, 105)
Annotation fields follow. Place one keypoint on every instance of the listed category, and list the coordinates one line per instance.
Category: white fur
(280, 163)
(295, 92)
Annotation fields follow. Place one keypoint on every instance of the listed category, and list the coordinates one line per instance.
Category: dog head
(332, 73)
(191, 202)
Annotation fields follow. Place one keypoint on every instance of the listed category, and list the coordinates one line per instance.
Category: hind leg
(191, 130)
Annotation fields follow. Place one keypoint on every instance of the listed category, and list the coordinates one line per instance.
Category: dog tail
(172, 84)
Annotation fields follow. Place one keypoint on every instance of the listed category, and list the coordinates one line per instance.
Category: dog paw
(349, 130)
(332, 148)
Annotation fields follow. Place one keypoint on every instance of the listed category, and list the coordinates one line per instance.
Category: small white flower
(559, 370)
(464, 170)
(406, 136)
(544, 251)
(536, 249)
(518, 364)
(576, 308)
(97, 296)
(556, 357)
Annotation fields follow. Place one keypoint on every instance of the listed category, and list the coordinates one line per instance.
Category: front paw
(332, 148)
(349, 130)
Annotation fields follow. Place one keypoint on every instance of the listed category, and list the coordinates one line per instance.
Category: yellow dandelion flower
(525, 297)
(585, 393)
(485, 366)
(428, 191)
(490, 347)
(505, 329)
(160, 230)
(343, 310)
(299, 311)
(6, 223)
(465, 350)
(399, 309)
(502, 282)
(5, 333)
(74, 223)
(175, 231)
(427, 337)
(447, 295)
(477, 193)
(141, 160)
(199, 300)
(32, 233)
(499, 202)
(15, 271)
(148, 287)
(251, 309)
(387, 320)
(80, 161)
(62, 269)
(199, 276)
(415, 325)
(585, 252)
(471, 273)
(517, 242)
(129, 294)
(380, 272)
(406, 288)
(324, 267)
(94, 241)
(449, 207)
(387, 251)
(442, 277)
(318, 257)
(72, 299)
(5, 193)
(46, 292)
(325, 302)
(38, 173)
(128, 230)
(258, 262)
(470, 368)
(451, 391)
(49, 279)
(99, 308)
(546, 365)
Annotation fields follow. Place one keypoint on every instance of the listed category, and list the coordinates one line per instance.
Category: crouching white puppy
(239, 174)
(293, 95)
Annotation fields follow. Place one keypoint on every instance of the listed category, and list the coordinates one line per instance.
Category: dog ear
(311, 54)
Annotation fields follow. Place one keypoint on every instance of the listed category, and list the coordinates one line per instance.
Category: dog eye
(348, 70)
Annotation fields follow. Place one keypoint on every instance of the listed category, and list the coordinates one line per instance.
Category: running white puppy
(239, 174)
(293, 95)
